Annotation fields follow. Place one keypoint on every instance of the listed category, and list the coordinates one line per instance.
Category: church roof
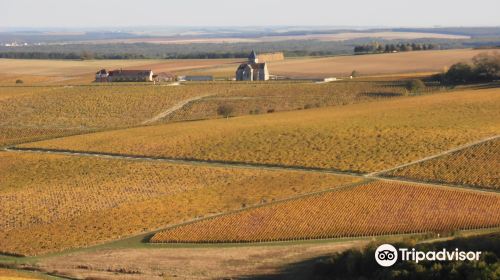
(252, 65)
(253, 55)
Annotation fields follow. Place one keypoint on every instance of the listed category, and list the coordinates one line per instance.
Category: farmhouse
(124, 76)
(101, 76)
(252, 70)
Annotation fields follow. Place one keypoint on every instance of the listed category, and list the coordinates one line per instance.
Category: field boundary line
(186, 161)
(173, 109)
(243, 165)
(437, 185)
(447, 152)
(301, 240)
(150, 233)
(344, 187)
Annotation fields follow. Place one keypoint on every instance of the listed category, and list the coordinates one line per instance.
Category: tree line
(68, 55)
(485, 67)
(202, 55)
(356, 264)
(390, 48)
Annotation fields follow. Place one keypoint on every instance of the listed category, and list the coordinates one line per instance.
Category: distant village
(255, 69)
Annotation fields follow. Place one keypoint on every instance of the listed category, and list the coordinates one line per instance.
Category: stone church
(252, 70)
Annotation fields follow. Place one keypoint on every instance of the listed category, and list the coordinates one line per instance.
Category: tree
(487, 66)
(459, 73)
(19, 81)
(354, 73)
(225, 110)
(87, 55)
(415, 86)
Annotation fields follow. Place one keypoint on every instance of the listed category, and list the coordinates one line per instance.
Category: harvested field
(76, 71)
(365, 65)
(410, 62)
(363, 137)
(477, 166)
(51, 203)
(10, 79)
(377, 208)
(321, 37)
(204, 263)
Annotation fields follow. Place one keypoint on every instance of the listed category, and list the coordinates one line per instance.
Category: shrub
(415, 86)
(19, 82)
(225, 110)
(254, 112)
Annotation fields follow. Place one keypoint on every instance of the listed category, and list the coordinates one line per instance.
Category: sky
(123, 13)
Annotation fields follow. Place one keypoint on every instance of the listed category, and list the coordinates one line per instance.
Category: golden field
(82, 71)
(377, 208)
(89, 107)
(6, 274)
(29, 113)
(51, 202)
(35, 113)
(477, 166)
(260, 98)
(388, 35)
(362, 137)
(11, 135)
(365, 65)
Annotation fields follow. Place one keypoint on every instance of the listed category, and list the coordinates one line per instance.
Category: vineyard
(51, 202)
(119, 106)
(90, 107)
(15, 135)
(477, 166)
(377, 208)
(264, 98)
(34, 113)
(363, 137)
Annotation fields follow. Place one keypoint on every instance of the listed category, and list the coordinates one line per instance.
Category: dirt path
(171, 110)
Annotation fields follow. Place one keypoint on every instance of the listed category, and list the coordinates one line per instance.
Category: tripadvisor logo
(387, 255)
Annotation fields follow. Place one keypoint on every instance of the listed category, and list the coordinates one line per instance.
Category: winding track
(171, 110)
